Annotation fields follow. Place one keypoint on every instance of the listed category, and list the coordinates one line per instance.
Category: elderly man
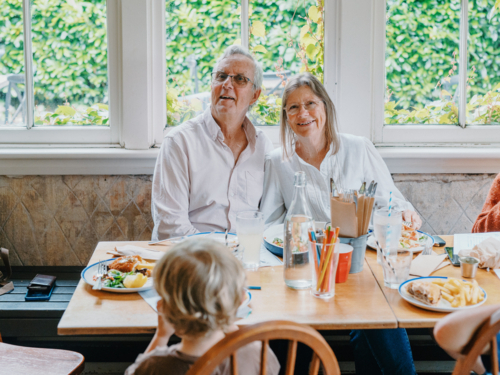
(211, 167)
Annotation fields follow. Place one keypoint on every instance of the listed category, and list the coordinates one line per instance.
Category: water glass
(396, 266)
(238, 252)
(250, 229)
(324, 260)
(387, 230)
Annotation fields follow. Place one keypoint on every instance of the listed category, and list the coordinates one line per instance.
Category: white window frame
(354, 75)
(425, 135)
(136, 86)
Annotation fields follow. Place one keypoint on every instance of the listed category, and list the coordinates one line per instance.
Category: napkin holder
(343, 215)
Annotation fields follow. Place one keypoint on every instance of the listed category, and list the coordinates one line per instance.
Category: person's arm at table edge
(170, 193)
(489, 218)
(376, 169)
(454, 331)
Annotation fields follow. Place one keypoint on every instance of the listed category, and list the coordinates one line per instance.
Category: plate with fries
(456, 294)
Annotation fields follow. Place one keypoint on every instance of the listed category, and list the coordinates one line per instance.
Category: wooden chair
(273, 330)
(20, 360)
(485, 335)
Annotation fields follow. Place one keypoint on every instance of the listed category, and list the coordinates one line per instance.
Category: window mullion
(245, 21)
(462, 75)
(28, 65)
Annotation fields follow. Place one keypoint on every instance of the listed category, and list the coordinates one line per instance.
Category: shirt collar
(215, 132)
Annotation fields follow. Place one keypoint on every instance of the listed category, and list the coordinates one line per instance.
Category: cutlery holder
(358, 253)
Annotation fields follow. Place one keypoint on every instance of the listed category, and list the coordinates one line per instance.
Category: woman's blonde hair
(201, 284)
(331, 131)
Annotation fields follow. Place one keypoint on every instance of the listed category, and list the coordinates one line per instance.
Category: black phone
(453, 257)
(35, 295)
(438, 241)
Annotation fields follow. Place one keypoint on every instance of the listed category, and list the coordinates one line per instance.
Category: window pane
(70, 62)
(422, 43)
(198, 31)
(483, 90)
(12, 110)
(286, 36)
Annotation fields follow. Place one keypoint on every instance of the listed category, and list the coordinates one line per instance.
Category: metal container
(468, 266)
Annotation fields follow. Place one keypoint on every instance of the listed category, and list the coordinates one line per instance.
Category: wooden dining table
(358, 303)
(363, 302)
(410, 316)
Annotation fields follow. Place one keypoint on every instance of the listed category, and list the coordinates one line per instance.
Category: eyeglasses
(309, 106)
(237, 79)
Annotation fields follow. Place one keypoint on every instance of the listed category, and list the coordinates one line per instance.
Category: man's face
(228, 98)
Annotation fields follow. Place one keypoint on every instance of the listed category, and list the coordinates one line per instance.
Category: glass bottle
(297, 270)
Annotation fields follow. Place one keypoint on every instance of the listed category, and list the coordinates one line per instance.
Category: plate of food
(274, 236)
(413, 240)
(442, 294)
(126, 274)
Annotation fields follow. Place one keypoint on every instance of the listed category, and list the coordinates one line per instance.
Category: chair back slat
(263, 357)
(292, 355)
(271, 330)
(234, 364)
(494, 355)
(314, 369)
(486, 334)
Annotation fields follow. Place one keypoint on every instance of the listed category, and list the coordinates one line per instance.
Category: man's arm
(170, 195)
(489, 218)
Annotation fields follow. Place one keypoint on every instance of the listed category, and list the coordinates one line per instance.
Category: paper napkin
(424, 265)
(148, 254)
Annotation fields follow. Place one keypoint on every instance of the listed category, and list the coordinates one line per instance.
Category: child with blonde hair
(201, 285)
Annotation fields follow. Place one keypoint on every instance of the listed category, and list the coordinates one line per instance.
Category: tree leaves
(258, 29)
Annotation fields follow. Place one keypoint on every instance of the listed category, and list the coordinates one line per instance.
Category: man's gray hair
(239, 50)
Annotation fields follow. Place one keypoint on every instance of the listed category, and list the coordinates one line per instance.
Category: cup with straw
(325, 256)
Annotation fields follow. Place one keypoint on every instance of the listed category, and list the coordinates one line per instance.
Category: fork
(99, 274)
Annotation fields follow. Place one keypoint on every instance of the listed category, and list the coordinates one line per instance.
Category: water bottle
(297, 270)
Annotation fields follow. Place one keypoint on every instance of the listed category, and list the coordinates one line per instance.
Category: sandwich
(425, 292)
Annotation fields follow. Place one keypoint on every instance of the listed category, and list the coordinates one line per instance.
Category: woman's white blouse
(356, 161)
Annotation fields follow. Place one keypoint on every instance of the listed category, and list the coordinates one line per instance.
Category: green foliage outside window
(421, 57)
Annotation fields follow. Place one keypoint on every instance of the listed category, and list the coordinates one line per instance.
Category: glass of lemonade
(250, 229)
(387, 231)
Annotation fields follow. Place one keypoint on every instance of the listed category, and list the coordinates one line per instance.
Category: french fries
(460, 293)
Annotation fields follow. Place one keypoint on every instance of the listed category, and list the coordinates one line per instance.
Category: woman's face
(305, 113)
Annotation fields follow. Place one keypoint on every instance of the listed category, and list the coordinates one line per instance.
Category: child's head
(201, 284)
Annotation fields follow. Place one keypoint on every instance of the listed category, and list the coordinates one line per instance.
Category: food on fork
(425, 292)
(460, 293)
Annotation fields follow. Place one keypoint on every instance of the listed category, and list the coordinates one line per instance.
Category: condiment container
(468, 266)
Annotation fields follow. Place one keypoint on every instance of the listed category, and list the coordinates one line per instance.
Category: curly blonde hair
(201, 285)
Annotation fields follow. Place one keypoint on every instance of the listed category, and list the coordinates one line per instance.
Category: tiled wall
(58, 220)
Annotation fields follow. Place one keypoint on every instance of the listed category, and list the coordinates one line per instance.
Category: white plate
(442, 306)
(370, 242)
(232, 239)
(247, 300)
(89, 272)
(277, 231)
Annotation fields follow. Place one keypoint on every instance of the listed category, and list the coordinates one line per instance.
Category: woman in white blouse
(311, 143)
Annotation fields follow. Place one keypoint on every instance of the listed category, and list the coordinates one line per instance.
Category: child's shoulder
(158, 359)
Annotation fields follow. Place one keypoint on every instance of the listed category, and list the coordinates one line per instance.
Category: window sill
(118, 161)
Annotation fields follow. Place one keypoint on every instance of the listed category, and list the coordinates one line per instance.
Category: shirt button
(232, 194)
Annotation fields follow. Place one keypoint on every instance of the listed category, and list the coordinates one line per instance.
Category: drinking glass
(324, 260)
(250, 228)
(396, 266)
(387, 231)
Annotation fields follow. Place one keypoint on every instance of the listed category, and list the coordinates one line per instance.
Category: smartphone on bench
(453, 257)
(40, 288)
